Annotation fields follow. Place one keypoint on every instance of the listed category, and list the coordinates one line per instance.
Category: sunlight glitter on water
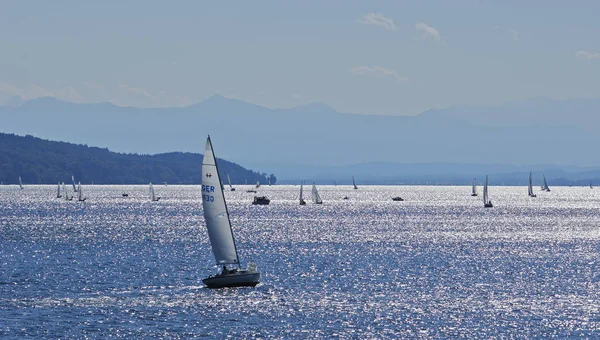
(435, 265)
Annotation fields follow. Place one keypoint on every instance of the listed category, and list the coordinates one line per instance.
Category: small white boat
(474, 187)
(80, 197)
(315, 195)
(545, 184)
(153, 197)
(354, 183)
(530, 187)
(219, 230)
(487, 203)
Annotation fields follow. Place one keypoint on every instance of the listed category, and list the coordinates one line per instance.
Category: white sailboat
(545, 184)
(530, 187)
(231, 188)
(20, 183)
(58, 195)
(474, 187)
(486, 201)
(315, 195)
(354, 183)
(66, 193)
(219, 230)
(80, 197)
(302, 201)
(257, 184)
(153, 197)
(73, 181)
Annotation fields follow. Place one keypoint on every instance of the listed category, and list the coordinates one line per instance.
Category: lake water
(437, 265)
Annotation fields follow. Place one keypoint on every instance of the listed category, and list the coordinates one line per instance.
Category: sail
(151, 190)
(474, 188)
(64, 187)
(58, 191)
(229, 180)
(354, 183)
(485, 191)
(257, 184)
(530, 186)
(20, 183)
(546, 184)
(301, 191)
(315, 195)
(215, 211)
(73, 180)
(79, 193)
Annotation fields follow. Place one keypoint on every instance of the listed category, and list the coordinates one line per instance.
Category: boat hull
(239, 279)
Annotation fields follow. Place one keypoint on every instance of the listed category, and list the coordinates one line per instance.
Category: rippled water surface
(437, 265)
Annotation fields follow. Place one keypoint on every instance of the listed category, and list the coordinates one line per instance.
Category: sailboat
(315, 195)
(530, 187)
(73, 180)
(354, 183)
(20, 183)
(80, 197)
(545, 184)
(219, 230)
(231, 188)
(474, 187)
(591, 187)
(302, 201)
(66, 193)
(486, 202)
(153, 197)
(58, 195)
(257, 184)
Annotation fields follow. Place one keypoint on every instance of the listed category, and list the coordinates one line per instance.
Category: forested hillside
(40, 161)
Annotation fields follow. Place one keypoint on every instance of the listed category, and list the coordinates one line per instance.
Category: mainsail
(215, 211)
(315, 195)
(474, 188)
(530, 186)
(354, 183)
(485, 191)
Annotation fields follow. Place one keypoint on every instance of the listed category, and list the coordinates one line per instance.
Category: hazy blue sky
(393, 57)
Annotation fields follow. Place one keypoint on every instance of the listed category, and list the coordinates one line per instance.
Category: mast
(237, 257)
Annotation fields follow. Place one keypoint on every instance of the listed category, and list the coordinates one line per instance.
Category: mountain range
(521, 134)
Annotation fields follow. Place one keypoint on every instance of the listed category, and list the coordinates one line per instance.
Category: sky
(378, 57)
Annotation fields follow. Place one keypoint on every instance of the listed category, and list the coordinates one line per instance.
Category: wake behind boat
(219, 230)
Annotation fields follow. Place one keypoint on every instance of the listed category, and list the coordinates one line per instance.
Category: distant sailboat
(219, 230)
(354, 183)
(20, 183)
(73, 180)
(545, 184)
(153, 197)
(591, 187)
(80, 197)
(257, 184)
(302, 201)
(58, 195)
(315, 195)
(486, 201)
(231, 188)
(66, 193)
(474, 187)
(530, 187)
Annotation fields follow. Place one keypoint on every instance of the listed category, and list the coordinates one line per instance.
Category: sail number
(208, 189)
